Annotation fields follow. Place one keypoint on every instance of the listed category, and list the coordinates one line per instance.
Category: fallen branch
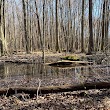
(55, 89)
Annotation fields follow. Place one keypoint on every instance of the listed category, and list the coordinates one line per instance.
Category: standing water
(28, 75)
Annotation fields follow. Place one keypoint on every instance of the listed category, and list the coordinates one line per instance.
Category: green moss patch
(72, 58)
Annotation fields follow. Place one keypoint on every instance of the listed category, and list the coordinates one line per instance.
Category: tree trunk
(39, 28)
(103, 27)
(1, 43)
(25, 30)
(106, 25)
(3, 29)
(57, 36)
(3, 34)
(91, 45)
(43, 57)
(82, 28)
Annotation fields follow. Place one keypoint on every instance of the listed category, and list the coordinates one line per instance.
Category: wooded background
(54, 25)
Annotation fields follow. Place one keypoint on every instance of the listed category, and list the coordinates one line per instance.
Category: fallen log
(54, 89)
(66, 63)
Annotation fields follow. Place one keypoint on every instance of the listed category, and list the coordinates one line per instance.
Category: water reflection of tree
(42, 71)
(91, 74)
(2, 71)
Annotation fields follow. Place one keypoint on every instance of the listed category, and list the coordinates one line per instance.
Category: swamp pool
(31, 75)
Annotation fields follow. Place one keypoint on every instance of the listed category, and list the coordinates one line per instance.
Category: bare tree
(91, 45)
(103, 26)
(82, 28)
(39, 27)
(43, 31)
(25, 30)
(1, 43)
(57, 36)
(3, 31)
(106, 25)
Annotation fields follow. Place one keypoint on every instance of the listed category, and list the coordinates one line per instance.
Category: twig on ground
(38, 87)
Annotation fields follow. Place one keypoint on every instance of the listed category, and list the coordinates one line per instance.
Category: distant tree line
(54, 25)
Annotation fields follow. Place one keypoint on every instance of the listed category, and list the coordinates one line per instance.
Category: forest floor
(31, 58)
(36, 57)
(77, 100)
